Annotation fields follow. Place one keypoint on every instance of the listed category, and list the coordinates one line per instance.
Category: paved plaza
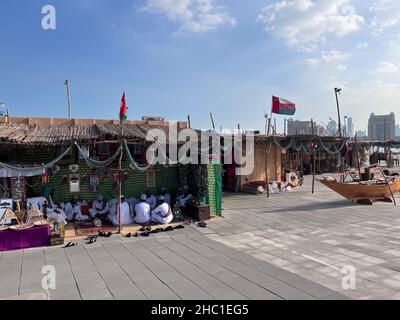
(294, 245)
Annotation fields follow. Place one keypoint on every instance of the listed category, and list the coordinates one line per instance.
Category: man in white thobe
(186, 197)
(57, 214)
(163, 213)
(167, 196)
(73, 211)
(126, 217)
(151, 200)
(142, 211)
(98, 207)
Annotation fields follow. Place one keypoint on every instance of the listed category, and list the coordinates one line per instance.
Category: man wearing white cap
(98, 207)
(126, 217)
(163, 213)
(142, 210)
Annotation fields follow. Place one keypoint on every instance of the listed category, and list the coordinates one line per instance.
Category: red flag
(282, 106)
(123, 112)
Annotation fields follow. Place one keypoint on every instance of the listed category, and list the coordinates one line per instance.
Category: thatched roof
(15, 133)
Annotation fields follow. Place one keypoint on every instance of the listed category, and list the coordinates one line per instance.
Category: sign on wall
(74, 183)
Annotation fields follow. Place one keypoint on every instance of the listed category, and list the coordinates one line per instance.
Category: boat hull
(356, 191)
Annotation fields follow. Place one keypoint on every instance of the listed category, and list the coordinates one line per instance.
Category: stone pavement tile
(336, 296)
(312, 288)
(94, 291)
(30, 296)
(187, 290)
(8, 290)
(64, 292)
(250, 290)
(123, 288)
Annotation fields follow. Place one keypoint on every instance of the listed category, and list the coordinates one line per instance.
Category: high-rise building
(397, 130)
(361, 134)
(349, 127)
(381, 127)
(296, 127)
(332, 127)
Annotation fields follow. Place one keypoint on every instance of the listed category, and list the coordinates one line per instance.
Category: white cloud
(194, 16)
(305, 24)
(312, 62)
(386, 15)
(333, 56)
(341, 67)
(363, 45)
(387, 67)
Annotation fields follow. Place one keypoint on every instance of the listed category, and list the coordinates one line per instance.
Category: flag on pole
(282, 106)
(123, 112)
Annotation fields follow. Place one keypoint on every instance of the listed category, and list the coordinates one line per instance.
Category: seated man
(142, 211)
(126, 217)
(186, 198)
(73, 211)
(151, 200)
(132, 202)
(99, 207)
(57, 214)
(167, 196)
(163, 213)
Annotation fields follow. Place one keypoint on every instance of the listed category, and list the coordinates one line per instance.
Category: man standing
(163, 213)
(142, 210)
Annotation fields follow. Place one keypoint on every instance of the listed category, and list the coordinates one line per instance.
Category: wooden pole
(388, 185)
(313, 166)
(284, 127)
(69, 98)
(358, 157)
(338, 111)
(269, 126)
(120, 184)
(266, 124)
(212, 121)
(266, 171)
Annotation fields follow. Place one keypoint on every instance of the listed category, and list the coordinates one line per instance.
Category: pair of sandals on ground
(90, 239)
(144, 232)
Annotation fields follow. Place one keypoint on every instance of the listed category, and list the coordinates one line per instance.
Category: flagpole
(120, 181)
(120, 170)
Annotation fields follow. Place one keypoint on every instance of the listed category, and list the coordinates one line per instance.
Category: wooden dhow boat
(366, 191)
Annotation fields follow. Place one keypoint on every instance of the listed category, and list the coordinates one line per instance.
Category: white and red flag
(283, 106)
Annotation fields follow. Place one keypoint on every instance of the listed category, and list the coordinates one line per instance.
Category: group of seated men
(148, 208)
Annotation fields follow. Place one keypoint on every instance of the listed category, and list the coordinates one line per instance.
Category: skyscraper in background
(332, 127)
(349, 127)
(381, 127)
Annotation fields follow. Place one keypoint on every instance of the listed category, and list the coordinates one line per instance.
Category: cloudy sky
(180, 57)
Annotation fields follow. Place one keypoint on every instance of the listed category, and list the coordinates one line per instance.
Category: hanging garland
(298, 149)
(133, 163)
(336, 151)
(262, 150)
(284, 148)
(96, 163)
(39, 170)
